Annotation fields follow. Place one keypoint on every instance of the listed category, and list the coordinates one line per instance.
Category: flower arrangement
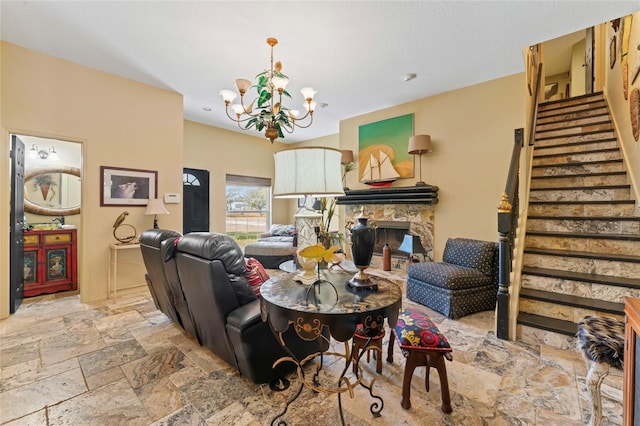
(326, 237)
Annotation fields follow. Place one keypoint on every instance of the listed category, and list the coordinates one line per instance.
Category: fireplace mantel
(427, 194)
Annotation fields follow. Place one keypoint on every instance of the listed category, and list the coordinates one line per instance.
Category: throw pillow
(282, 230)
(255, 274)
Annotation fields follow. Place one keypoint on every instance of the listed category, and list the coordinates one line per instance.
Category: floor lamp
(420, 144)
(307, 172)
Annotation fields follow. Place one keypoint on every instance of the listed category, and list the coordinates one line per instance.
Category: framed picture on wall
(382, 154)
(127, 187)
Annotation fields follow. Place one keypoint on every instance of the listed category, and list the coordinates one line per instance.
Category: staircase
(582, 244)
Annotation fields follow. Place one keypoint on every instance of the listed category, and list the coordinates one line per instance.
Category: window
(248, 207)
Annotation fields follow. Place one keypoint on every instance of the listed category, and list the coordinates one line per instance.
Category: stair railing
(508, 211)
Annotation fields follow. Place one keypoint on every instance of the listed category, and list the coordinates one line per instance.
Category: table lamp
(307, 172)
(411, 244)
(420, 144)
(155, 207)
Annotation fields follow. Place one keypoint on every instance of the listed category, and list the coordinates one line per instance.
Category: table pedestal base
(343, 383)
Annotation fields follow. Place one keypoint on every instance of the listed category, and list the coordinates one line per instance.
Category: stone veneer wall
(420, 217)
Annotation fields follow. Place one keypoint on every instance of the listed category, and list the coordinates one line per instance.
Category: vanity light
(34, 152)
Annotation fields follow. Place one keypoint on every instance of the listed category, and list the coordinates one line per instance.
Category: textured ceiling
(352, 52)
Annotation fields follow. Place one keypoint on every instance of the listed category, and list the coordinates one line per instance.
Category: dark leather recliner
(162, 276)
(226, 311)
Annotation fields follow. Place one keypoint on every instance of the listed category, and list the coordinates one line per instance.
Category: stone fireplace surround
(409, 208)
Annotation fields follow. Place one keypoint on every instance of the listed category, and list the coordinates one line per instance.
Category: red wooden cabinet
(50, 263)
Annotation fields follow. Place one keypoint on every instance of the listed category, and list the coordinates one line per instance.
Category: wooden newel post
(504, 249)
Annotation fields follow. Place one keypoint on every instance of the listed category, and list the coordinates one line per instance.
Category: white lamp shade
(228, 95)
(313, 171)
(156, 206)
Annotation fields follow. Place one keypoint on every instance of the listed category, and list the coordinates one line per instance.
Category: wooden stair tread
(582, 277)
(573, 144)
(619, 173)
(578, 188)
(578, 163)
(563, 154)
(599, 236)
(584, 202)
(603, 218)
(574, 301)
(583, 254)
(567, 328)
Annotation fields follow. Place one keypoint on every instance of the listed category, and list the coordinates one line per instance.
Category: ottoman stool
(360, 340)
(422, 345)
(601, 340)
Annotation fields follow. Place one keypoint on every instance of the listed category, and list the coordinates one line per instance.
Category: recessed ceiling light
(408, 76)
(206, 109)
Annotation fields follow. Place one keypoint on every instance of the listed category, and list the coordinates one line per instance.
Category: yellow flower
(318, 252)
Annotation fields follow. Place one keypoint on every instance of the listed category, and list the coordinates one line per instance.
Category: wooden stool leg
(414, 359)
(596, 374)
(437, 362)
(392, 338)
(355, 350)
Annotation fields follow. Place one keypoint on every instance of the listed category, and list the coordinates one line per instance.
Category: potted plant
(46, 184)
(326, 237)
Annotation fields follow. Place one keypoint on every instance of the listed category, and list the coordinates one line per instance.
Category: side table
(113, 265)
(330, 304)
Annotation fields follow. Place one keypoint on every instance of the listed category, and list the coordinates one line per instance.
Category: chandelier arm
(236, 119)
(303, 126)
(244, 109)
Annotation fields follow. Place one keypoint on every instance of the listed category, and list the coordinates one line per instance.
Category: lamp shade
(411, 244)
(313, 171)
(156, 206)
(419, 144)
(347, 156)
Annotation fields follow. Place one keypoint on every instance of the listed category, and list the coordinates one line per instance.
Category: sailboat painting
(379, 171)
(383, 155)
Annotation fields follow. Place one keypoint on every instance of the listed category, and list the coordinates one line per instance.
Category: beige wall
(472, 134)
(119, 122)
(620, 106)
(223, 152)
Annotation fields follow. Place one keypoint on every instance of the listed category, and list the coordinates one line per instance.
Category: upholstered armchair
(465, 282)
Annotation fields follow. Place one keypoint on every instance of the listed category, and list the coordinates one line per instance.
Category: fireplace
(392, 233)
(394, 222)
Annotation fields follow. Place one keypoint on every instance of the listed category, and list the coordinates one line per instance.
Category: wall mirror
(52, 191)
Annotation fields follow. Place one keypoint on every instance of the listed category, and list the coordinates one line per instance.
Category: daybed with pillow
(273, 247)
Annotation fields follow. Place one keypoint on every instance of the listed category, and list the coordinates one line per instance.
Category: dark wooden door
(195, 214)
(16, 249)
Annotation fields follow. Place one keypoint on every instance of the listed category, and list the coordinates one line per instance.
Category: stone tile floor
(122, 362)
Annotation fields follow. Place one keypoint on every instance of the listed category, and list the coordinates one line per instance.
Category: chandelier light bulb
(228, 95)
(280, 83)
(243, 85)
(238, 109)
(308, 93)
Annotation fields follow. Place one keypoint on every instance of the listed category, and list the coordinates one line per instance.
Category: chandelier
(266, 111)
